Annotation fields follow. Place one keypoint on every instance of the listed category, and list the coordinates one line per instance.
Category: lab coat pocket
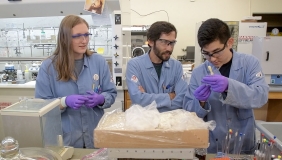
(244, 114)
(95, 86)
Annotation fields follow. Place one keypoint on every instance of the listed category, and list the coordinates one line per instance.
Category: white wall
(186, 16)
(266, 6)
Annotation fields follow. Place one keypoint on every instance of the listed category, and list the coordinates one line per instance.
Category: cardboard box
(151, 138)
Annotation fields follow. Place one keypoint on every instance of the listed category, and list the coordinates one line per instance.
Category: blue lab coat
(78, 125)
(141, 71)
(247, 89)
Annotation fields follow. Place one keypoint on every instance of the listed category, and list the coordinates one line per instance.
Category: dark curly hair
(211, 30)
(159, 27)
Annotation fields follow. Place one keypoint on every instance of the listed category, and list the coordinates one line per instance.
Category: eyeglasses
(165, 42)
(81, 36)
(215, 54)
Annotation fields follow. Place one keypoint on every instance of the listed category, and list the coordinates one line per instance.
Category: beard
(164, 56)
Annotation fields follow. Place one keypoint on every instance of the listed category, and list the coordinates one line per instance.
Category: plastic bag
(114, 120)
(149, 118)
(183, 120)
(142, 118)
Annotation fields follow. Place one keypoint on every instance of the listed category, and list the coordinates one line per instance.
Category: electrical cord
(144, 15)
(152, 13)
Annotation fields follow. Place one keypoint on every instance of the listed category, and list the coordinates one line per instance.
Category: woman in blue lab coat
(80, 78)
(155, 76)
(229, 92)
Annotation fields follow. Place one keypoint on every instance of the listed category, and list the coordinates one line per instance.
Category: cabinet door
(272, 55)
(128, 103)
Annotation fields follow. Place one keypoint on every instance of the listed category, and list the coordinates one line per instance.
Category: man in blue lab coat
(155, 76)
(228, 92)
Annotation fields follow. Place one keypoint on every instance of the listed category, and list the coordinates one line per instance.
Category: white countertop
(30, 84)
(275, 88)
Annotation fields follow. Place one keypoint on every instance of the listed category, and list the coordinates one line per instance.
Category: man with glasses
(228, 94)
(155, 76)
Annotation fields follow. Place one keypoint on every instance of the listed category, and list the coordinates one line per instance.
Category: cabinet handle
(267, 55)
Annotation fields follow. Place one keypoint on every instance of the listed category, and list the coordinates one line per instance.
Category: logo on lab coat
(259, 74)
(96, 77)
(134, 79)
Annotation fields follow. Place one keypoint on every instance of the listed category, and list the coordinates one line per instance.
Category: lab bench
(271, 112)
(10, 93)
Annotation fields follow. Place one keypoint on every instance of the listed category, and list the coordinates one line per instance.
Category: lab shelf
(6, 59)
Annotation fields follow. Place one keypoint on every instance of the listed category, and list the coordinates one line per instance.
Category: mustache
(167, 52)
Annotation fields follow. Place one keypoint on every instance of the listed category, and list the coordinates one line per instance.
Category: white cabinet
(269, 52)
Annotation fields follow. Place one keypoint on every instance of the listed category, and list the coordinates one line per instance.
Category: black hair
(211, 30)
(159, 27)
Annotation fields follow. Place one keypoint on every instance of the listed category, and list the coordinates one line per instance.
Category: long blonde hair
(63, 55)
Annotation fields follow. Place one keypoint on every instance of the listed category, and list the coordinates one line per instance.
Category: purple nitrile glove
(94, 99)
(203, 92)
(217, 82)
(75, 101)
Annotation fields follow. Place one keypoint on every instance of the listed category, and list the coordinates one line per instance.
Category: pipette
(218, 154)
(261, 146)
(272, 141)
(210, 69)
(257, 152)
(222, 146)
(270, 147)
(240, 143)
(264, 153)
(235, 139)
(216, 145)
(225, 144)
(272, 157)
(228, 143)
(267, 153)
